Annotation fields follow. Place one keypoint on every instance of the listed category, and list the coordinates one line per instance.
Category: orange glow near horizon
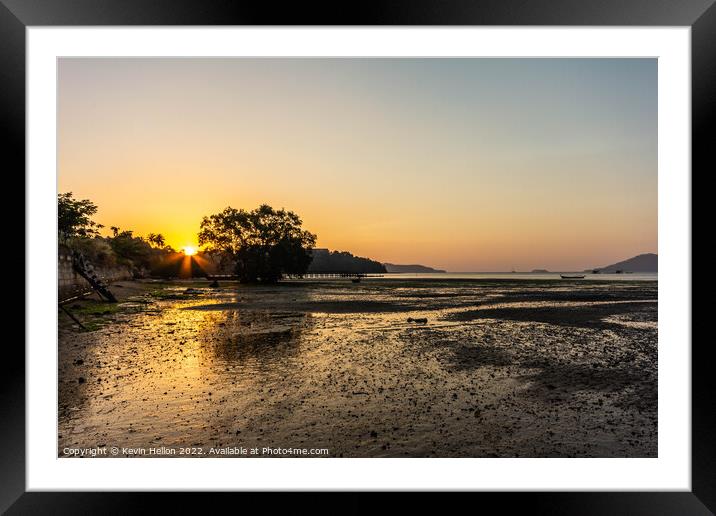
(185, 269)
(458, 164)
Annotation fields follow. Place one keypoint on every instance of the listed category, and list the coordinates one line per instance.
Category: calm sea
(640, 276)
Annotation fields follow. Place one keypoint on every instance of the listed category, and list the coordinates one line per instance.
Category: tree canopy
(265, 243)
(342, 261)
(78, 231)
(156, 239)
(74, 217)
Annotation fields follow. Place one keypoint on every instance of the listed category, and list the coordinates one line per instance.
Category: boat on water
(572, 276)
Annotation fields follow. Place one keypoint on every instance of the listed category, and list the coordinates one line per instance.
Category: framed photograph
(397, 249)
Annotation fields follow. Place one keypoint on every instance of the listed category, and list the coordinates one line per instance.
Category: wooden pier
(215, 278)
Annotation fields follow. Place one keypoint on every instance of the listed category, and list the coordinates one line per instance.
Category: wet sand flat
(501, 368)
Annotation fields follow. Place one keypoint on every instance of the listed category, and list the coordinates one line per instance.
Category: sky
(461, 164)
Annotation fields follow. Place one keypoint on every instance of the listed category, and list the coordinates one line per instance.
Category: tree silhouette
(157, 239)
(74, 217)
(265, 243)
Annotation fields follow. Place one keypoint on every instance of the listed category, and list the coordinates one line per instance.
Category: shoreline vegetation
(263, 245)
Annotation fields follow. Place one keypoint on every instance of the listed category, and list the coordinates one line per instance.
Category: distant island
(325, 260)
(648, 262)
(539, 270)
(342, 261)
(392, 267)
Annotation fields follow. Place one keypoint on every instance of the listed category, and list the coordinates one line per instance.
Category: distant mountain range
(392, 267)
(648, 262)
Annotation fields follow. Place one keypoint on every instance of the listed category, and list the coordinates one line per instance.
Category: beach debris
(81, 379)
(419, 320)
(84, 268)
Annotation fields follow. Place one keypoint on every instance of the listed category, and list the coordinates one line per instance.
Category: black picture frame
(700, 15)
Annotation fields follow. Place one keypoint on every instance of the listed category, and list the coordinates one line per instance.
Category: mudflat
(501, 368)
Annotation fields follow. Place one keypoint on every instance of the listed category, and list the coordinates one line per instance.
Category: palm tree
(157, 239)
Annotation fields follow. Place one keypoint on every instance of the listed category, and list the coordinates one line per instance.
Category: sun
(189, 250)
